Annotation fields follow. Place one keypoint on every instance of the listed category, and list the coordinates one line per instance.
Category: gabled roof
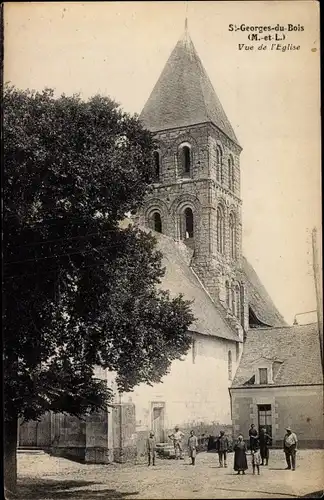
(184, 95)
(259, 300)
(295, 350)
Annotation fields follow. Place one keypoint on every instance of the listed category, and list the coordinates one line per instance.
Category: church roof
(184, 95)
(180, 279)
(259, 300)
(295, 350)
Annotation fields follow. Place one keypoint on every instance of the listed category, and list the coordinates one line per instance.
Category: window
(229, 365)
(263, 376)
(157, 222)
(231, 173)
(185, 161)
(237, 351)
(238, 301)
(232, 226)
(265, 418)
(220, 229)
(188, 223)
(156, 165)
(227, 294)
(234, 301)
(219, 164)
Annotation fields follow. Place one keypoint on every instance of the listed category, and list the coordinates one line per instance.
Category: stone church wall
(195, 392)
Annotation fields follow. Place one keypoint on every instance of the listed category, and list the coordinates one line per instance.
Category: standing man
(253, 433)
(290, 447)
(192, 447)
(151, 448)
(265, 441)
(222, 448)
(177, 442)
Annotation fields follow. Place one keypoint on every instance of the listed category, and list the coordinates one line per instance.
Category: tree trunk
(10, 457)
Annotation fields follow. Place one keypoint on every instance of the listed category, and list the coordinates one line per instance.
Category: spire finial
(186, 19)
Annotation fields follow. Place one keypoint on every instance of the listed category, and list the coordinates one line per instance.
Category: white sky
(271, 98)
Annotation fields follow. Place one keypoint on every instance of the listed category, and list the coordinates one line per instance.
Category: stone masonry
(202, 191)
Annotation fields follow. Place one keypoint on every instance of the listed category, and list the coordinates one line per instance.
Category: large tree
(79, 290)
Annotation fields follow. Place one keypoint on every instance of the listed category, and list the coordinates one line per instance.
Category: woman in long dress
(240, 462)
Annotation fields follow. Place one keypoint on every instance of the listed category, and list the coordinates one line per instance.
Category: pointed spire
(184, 95)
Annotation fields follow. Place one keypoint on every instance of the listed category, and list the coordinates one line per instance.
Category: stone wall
(194, 394)
(124, 432)
(203, 192)
(69, 439)
(102, 437)
(35, 433)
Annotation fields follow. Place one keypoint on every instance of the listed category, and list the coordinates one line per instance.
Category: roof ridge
(280, 327)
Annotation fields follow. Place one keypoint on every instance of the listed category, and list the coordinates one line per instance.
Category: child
(192, 447)
(151, 447)
(256, 459)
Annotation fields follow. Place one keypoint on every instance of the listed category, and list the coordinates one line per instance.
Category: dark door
(265, 418)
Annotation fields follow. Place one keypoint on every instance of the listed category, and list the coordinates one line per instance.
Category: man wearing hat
(290, 448)
(177, 442)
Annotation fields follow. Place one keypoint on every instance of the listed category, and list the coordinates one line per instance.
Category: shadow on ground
(49, 489)
(315, 494)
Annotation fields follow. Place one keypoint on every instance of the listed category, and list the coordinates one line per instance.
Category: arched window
(227, 287)
(156, 155)
(238, 301)
(188, 223)
(237, 351)
(231, 173)
(232, 227)
(233, 292)
(229, 365)
(157, 222)
(219, 164)
(220, 229)
(185, 161)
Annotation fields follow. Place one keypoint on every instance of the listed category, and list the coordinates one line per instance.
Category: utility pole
(318, 291)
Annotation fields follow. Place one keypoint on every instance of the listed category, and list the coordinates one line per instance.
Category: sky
(271, 97)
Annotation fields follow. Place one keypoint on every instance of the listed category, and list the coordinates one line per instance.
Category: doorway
(265, 418)
(158, 414)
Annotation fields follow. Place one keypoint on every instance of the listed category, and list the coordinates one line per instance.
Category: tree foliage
(79, 290)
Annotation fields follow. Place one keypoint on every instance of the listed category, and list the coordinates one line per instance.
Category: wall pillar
(98, 447)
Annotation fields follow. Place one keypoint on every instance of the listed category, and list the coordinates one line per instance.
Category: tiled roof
(184, 95)
(259, 300)
(294, 350)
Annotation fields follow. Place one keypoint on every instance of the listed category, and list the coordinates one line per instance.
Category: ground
(43, 477)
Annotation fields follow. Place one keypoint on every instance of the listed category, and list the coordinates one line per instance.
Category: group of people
(260, 442)
(259, 448)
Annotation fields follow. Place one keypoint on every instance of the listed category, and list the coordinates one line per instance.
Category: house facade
(279, 383)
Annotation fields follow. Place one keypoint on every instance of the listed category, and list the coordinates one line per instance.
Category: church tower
(196, 196)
